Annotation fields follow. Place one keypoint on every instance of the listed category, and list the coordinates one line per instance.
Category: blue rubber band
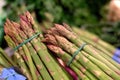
(76, 53)
(27, 40)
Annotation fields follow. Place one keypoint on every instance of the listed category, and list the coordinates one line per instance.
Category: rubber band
(27, 40)
(76, 53)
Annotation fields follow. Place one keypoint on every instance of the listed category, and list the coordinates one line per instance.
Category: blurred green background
(87, 14)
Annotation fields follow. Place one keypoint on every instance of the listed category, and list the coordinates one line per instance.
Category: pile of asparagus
(33, 58)
(93, 62)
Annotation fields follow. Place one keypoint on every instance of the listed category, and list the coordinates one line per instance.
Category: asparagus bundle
(34, 53)
(106, 49)
(90, 49)
(64, 42)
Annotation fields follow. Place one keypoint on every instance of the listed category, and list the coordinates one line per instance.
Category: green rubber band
(76, 53)
(27, 40)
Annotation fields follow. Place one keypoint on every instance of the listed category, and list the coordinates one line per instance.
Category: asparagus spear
(19, 60)
(88, 48)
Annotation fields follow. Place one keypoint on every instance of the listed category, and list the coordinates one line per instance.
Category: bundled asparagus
(90, 49)
(34, 53)
(64, 42)
(106, 49)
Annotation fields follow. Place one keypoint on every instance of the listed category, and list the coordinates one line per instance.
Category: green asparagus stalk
(19, 59)
(88, 48)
